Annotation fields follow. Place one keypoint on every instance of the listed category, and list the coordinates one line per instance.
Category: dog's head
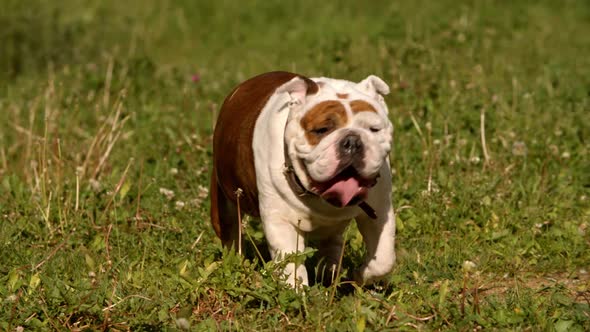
(339, 137)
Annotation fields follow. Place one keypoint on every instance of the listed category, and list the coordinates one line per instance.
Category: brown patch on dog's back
(361, 106)
(322, 119)
(342, 95)
(233, 157)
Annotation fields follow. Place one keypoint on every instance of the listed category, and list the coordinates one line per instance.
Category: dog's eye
(375, 129)
(320, 131)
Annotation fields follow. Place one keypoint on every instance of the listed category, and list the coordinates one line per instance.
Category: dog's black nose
(351, 144)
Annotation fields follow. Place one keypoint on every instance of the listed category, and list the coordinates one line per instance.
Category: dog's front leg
(284, 239)
(379, 238)
(330, 245)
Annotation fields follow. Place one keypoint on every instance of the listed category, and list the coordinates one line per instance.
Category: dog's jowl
(309, 155)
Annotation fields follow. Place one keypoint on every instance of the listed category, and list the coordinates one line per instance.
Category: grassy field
(106, 116)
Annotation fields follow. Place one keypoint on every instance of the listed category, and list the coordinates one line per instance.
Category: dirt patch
(577, 285)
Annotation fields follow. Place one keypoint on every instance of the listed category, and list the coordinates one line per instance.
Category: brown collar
(294, 181)
(301, 191)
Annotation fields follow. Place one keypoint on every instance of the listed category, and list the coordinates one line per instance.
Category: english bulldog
(308, 155)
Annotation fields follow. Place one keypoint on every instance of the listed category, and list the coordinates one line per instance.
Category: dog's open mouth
(345, 189)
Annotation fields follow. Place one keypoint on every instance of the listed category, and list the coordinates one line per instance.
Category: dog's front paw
(374, 270)
(296, 277)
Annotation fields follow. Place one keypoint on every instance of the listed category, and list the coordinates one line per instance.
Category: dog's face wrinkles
(338, 139)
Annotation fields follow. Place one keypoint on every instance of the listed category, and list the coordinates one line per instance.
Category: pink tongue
(343, 191)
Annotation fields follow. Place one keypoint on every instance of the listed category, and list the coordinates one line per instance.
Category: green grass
(99, 113)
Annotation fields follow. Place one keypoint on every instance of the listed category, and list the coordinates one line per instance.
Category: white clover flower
(94, 184)
(469, 266)
(167, 192)
(519, 149)
(203, 192)
(183, 324)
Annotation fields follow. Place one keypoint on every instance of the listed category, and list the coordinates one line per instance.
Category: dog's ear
(373, 85)
(298, 88)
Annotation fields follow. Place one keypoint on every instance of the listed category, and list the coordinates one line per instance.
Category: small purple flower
(195, 78)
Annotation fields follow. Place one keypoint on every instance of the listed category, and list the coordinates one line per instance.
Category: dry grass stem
(482, 130)
(238, 193)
